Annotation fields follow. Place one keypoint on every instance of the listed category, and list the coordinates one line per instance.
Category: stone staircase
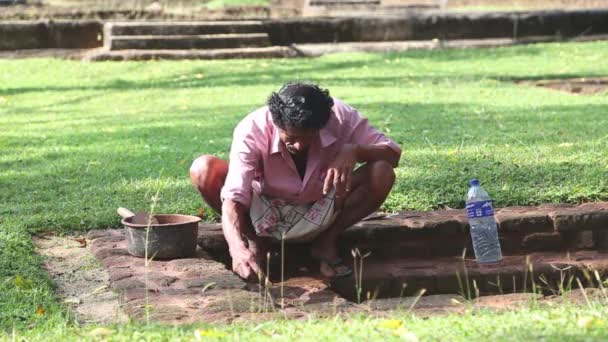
(544, 248)
(186, 40)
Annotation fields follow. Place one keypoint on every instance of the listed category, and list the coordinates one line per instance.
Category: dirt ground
(584, 86)
(80, 281)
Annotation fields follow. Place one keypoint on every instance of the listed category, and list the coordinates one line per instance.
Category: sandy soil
(81, 282)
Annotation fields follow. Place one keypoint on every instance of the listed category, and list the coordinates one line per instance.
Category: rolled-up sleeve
(243, 166)
(363, 133)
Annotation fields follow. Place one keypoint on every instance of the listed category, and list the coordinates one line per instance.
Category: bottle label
(480, 209)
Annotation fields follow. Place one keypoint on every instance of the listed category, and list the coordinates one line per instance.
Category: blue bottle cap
(474, 182)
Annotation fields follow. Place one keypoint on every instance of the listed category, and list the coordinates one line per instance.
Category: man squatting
(293, 175)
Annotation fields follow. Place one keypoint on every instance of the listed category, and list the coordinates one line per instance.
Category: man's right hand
(245, 265)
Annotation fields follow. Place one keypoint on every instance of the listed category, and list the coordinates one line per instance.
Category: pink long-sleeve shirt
(259, 161)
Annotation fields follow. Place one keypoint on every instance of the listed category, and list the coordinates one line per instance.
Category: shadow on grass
(274, 79)
(275, 72)
(100, 170)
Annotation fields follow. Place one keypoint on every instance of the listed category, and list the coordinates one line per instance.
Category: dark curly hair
(300, 105)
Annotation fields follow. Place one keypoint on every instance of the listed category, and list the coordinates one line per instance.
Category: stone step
(545, 249)
(181, 28)
(443, 233)
(127, 55)
(539, 272)
(213, 41)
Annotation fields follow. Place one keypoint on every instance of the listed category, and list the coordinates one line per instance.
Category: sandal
(334, 265)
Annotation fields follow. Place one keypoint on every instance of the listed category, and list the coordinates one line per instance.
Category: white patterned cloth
(295, 223)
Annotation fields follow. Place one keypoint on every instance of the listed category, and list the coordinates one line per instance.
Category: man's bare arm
(367, 153)
(341, 169)
(235, 225)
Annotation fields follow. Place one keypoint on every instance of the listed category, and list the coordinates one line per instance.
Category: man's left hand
(340, 171)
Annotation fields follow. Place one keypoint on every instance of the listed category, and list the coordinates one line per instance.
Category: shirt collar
(276, 141)
(327, 137)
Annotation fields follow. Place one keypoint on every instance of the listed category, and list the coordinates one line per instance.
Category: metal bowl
(173, 237)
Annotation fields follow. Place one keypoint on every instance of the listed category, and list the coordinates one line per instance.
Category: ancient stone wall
(47, 34)
(440, 26)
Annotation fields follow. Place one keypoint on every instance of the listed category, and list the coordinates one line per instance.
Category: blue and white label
(480, 209)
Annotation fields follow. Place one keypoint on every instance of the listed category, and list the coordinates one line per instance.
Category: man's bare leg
(208, 175)
(370, 186)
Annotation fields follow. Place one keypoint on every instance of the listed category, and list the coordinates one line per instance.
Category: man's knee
(206, 169)
(382, 177)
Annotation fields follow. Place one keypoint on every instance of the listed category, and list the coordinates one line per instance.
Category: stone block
(103, 253)
(600, 240)
(117, 260)
(585, 239)
(537, 242)
(209, 272)
(211, 238)
(190, 265)
(440, 221)
(135, 293)
(158, 280)
(580, 218)
(523, 219)
(119, 273)
(127, 283)
(235, 301)
(156, 313)
(446, 245)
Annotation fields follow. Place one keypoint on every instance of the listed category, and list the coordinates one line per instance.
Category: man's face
(297, 141)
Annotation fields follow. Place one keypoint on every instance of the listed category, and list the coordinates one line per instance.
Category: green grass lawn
(563, 323)
(80, 139)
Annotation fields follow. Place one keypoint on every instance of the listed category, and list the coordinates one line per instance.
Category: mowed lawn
(77, 140)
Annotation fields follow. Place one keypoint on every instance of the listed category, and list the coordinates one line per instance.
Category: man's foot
(331, 265)
(334, 268)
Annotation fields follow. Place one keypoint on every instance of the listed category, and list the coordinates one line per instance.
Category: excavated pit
(583, 86)
(545, 249)
(548, 250)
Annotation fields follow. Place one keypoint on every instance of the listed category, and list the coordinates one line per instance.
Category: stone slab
(152, 28)
(186, 42)
(589, 216)
(201, 289)
(139, 55)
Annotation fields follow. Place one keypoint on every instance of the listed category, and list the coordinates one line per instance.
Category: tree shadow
(82, 176)
(273, 72)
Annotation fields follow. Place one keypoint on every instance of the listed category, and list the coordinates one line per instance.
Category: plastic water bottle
(483, 226)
